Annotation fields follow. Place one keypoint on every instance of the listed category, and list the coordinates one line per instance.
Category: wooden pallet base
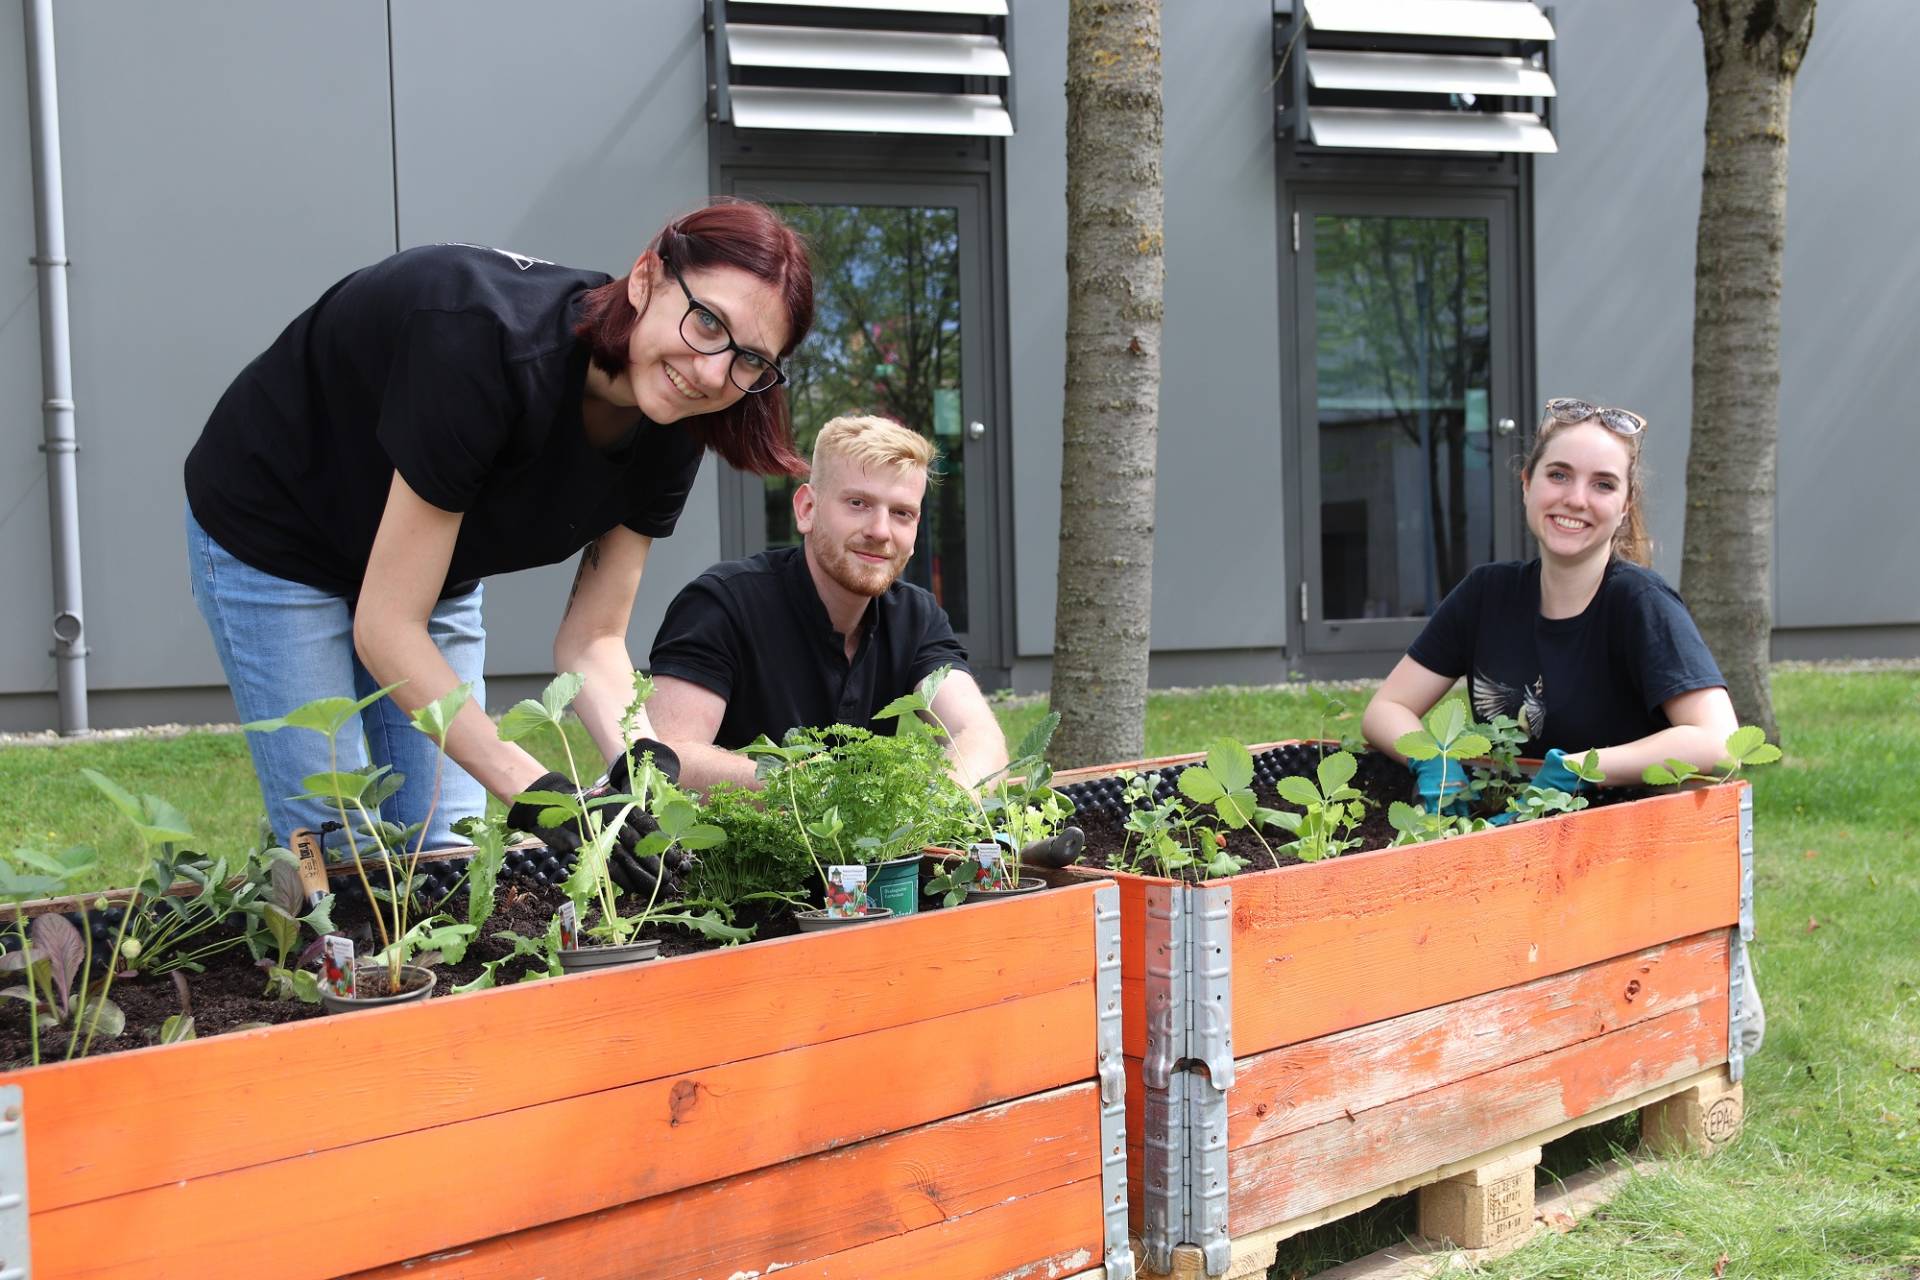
(1487, 1202)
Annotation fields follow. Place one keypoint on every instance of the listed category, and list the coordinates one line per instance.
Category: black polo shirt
(754, 632)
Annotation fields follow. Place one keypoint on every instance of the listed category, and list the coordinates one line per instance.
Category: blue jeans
(284, 643)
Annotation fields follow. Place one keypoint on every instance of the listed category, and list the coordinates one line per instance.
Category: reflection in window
(1403, 366)
(886, 341)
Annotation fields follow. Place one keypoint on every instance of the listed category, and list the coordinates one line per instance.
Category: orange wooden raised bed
(1300, 1038)
(919, 1097)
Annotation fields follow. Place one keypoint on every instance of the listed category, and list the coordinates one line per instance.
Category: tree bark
(1753, 50)
(1115, 269)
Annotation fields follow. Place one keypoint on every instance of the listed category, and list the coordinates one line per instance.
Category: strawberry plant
(1329, 810)
(1747, 746)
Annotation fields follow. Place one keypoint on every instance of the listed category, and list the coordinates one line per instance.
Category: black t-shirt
(457, 365)
(1594, 680)
(754, 632)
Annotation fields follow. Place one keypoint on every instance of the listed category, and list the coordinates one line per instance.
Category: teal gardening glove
(1442, 784)
(1555, 775)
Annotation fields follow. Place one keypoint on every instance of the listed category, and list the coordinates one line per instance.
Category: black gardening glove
(632, 873)
(635, 874)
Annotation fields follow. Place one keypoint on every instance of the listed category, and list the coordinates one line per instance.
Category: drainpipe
(56, 370)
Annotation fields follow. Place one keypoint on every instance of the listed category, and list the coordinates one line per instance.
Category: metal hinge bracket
(1737, 939)
(1165, 1144)
(1111, 1065)
(16, 1254)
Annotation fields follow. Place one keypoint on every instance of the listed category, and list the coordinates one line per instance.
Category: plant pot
(816, 919)
(1028, 884)
(581, 959)
(895, 885)
(422, 988)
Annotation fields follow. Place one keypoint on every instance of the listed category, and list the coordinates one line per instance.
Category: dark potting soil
(229, 995)
(1381, 779)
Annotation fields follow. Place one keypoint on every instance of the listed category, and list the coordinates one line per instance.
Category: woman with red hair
(455, 412)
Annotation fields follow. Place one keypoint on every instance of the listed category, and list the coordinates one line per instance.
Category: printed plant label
(569, 927)
(847, 891)
(336, 966)
(993, 873)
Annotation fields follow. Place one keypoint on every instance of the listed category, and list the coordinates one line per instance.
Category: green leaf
(1336, 771)
(1231, 763)
(436, 718)
(702, 835)
(1469, 746)
(340, 786)
(1299, 791)
(383, 782)
(1765, 753)
(1445, 722)
(1198, 784)
(1745, 739)
(322, 715)
(907, 704)
(103, 1019)
(1418, 745)
(1587, 767)
(1658, 775)
(1036, 740)
(708, 924)
(1404, 817)
(177, 1028)
(560, 693)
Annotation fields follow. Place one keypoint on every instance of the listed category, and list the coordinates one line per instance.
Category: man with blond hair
(821, 633)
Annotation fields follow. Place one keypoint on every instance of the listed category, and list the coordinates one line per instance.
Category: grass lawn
(1824, 1183)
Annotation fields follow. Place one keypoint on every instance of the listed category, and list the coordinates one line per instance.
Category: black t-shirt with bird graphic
(1594, 680)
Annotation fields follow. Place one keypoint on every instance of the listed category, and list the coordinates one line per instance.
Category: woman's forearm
(401, 653)
(608, 691)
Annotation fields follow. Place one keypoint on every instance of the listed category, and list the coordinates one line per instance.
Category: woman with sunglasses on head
(1586, 647)
(455, 412)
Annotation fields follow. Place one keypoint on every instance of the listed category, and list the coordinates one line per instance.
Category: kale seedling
(357, 794)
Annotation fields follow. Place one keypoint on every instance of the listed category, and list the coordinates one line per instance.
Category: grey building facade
(225, 162)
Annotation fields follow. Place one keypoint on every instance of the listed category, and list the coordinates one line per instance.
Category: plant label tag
(569, 927)
(336, 966)
(993, 867)
(313, 865)
(847, 890)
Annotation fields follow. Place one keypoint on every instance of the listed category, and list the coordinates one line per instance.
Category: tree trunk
(1753, 48)
(1115, 266)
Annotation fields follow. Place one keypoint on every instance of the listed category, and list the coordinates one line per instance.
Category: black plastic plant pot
(1028, 884)
(581, 959)
(416, 983)
(817, 919)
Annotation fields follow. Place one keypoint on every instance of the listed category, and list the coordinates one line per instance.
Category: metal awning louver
(937, 67)
(1415, 75)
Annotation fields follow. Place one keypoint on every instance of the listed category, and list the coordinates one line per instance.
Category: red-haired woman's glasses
(708, 334)
(1622, 422)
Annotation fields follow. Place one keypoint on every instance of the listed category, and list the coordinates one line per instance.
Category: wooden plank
(155, 1116)
(814, 1207)
(1341, 944)
(1299, 1086)
(1297, 1174)
(377, 1201)
(1253, 1252)
(994, 1244)
(1564, 1203)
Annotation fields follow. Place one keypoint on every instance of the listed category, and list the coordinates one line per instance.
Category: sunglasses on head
(1622, 422)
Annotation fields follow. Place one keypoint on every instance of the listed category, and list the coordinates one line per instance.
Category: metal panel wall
(1219, 458)
(224, 163)
(1616, 221)
(26, 575)
(1849, 440)
(571, 131)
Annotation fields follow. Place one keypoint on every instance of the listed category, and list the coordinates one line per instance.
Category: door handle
(1506, 426)
(975, 430)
